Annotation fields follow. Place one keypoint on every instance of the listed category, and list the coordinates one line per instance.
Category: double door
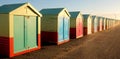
(78, 27)
(25, 33)
(89, 21)
(63, 29)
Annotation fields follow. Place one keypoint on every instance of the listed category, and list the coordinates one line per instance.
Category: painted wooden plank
(66, 28)
(60, 29)
(95, 25)
(79, 27)
(31, 31)
(89, 21)
(19, 42)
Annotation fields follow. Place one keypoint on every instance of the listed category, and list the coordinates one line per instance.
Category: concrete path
(102, 45)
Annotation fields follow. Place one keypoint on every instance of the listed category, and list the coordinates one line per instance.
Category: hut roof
(74, 14)
(85, 16)
(93, 17)
(52, 11)
(99, 18)
(9, 7)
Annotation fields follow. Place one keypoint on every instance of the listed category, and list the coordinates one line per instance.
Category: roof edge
(30, 6)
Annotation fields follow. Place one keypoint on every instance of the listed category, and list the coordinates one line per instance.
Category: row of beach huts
(23, 28)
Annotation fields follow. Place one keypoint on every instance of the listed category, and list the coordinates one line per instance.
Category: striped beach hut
(111, 23)
(55, 25)
(105, 23)
(76, 25)
(87, 23)
(19, 29)
(100, 22)
(108, 23)
(94, 24)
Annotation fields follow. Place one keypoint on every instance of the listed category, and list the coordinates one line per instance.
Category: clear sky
(107, 8)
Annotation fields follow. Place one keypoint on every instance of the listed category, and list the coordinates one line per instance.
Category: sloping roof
(74, 14)
(85, 16)
(103, 18)
(99, 18)
(54, 11)
(9, 7)
(93, 17)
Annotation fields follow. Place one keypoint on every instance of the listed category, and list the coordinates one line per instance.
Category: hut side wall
(72, 22)
(4, 25)
(100, 25)
(104, 24)
(49, 23)
(72, 27)
(107, 24)
(49, 29)
(85, 27)
(4, 34)
(95, 25)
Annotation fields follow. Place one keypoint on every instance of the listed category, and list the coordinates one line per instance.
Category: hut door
(100, 24)
(30, 32)
(78, 27)
(24, 33)
(95, 25)
(66, 28)
(60, 29)
(63, 29)
(19, 42)
(89, 26)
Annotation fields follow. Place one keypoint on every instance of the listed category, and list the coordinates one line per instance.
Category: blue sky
(107, 8)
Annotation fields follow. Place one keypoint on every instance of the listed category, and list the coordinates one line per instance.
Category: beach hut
(55, 25)
(76, 25)
(94, 24)
(111, 23)
(108, 23)
(19, 29)
(100, 22)
(87, 23)
(105, 24)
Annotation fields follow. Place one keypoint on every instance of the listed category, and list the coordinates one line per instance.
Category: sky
(106, 8)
